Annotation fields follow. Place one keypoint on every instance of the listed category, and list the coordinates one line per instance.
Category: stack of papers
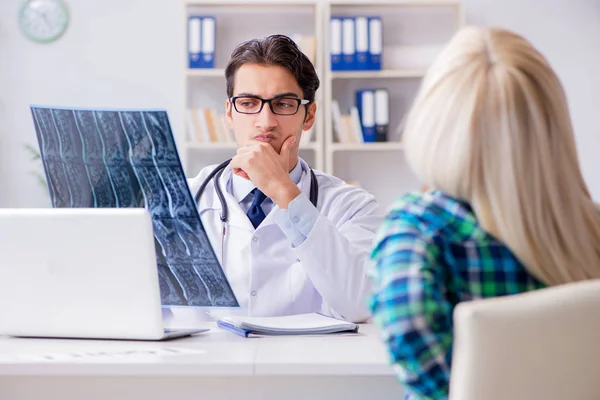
(301, 324)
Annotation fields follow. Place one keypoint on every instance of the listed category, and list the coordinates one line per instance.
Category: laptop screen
(128, 158)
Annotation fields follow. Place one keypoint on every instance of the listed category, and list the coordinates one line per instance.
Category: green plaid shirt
(430, 254)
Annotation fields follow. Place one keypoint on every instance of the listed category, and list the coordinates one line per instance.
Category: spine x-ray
(119, 158)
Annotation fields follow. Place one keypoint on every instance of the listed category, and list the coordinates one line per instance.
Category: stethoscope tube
(218, 171)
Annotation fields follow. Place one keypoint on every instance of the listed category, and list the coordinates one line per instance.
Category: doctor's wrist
(285, 194)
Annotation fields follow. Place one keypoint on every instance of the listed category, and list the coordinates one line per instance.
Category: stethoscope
(216, 174)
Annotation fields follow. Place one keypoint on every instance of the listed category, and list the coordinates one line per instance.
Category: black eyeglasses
(278, 105)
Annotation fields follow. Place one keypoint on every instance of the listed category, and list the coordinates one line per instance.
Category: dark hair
(274, 50)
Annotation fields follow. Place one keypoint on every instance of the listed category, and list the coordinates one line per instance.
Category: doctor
(282, 255)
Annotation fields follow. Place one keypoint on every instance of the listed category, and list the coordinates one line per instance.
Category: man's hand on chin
(269, 171)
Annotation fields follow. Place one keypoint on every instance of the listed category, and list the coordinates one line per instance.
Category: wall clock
(43, 20)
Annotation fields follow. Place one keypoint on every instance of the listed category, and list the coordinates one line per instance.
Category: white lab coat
(327, 273)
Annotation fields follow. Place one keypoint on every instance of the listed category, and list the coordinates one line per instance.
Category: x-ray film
(122, 158)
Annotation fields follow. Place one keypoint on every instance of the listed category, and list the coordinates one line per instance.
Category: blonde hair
(491, 126)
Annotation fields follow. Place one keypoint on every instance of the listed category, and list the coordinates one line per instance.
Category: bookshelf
(414, 31)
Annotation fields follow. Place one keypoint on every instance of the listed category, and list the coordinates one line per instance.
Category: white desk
(225, 366)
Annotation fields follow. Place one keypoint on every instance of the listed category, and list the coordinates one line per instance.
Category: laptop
(85, 273)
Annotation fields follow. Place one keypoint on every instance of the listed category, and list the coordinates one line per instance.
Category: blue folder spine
(361, 39)
(194, 41)
(348, 44)
(365, 103)
(335, 43)
(375, 43)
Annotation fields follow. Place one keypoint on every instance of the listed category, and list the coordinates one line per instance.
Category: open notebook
(301, 324)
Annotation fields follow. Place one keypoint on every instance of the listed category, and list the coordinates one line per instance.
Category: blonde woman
(508, 210)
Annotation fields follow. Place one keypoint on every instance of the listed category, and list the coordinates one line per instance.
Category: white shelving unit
(414, 31)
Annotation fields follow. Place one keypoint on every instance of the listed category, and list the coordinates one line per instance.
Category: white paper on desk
(98, 355)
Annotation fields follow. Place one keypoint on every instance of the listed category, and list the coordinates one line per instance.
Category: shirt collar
(240, 187)
(296, 173)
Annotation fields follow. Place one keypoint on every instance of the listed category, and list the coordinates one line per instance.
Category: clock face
(44, 20)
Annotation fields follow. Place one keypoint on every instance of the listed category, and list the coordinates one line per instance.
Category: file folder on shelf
(194, 42)
(208, 42)
(201, 42)
(301, 324)
(362, 43)
(335, 43)
(382, 115)
(348, 45)
(375, 43)
(365, 102)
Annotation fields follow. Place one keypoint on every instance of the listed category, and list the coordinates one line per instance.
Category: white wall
(115, 53)
(130, 53)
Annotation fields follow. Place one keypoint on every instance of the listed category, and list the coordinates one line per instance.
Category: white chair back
(539, 345)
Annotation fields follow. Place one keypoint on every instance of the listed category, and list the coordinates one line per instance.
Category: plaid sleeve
(409, 307)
